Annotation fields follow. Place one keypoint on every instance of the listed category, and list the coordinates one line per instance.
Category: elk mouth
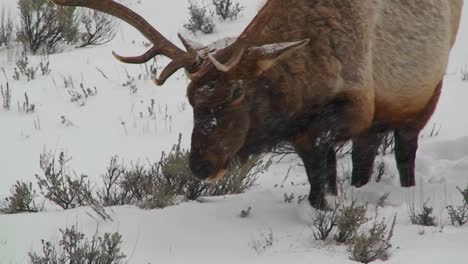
(222, 171)
(216, 177)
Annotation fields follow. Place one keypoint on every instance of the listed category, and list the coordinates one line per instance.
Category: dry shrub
(58, 185)
(200, 19)
(99, 28)
(159, 185)
(75, 248)
(22, 199)
(325, 221)
(373, 243)
(6, 28)
(46, 27)
(350, 218)
(459, 214)
(227, 9)
(6, 96)
(423, 217)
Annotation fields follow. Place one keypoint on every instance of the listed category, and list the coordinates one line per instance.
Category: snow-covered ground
(212, 232)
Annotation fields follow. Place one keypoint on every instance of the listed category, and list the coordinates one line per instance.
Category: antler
(238, 48)
(162, 46)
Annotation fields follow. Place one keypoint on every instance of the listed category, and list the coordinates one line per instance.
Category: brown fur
(370, 66)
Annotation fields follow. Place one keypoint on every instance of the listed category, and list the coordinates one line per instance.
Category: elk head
(222, 89)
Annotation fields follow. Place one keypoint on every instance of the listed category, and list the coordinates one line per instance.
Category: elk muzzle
(206, 168)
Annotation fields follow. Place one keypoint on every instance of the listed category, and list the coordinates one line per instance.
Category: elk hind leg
(406, 140)
(406, 145)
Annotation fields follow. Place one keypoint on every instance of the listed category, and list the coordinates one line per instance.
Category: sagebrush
(6, 96)
(98, 28)
(59, 185)
(200, 19)
(350, 218)
(459, 214)
(325, 221)
(22, 199)
(423, 217)
(46, 27)
(75, 248)
(227, 9)
(159, 184)
(6, 28)
(373, 243)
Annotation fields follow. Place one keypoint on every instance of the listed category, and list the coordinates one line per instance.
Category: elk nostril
(201, 169)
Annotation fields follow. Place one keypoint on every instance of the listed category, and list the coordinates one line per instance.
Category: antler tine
(138, 59)
(170, 69)
(162, 46)
(233, 61)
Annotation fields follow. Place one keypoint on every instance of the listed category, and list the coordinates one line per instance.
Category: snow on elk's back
(88, 106)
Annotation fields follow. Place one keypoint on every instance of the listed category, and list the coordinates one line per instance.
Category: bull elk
(312, 73)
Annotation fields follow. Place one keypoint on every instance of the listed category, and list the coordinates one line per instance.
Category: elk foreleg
(319, 160)
(365, 148)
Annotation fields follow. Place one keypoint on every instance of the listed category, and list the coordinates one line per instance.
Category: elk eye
(237, 93)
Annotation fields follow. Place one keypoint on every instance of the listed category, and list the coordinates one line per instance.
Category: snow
(109, 123)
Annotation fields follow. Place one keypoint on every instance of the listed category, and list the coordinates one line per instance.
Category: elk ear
(267, 55)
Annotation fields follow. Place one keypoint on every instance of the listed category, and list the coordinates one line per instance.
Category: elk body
(313, 73)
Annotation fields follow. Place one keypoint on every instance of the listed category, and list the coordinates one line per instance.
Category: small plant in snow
(380, 203)
(111, 194)
(151, 110)
(373, 243)
(75, 248)
(200, 19)
(6, 28)
(263, 242)
(130, 83)
(288, 198)
(459, 214)
(22, 199)
(6, 96)
(325, 222)
(80, 96)
(65, 121)
(350, 218)
(245, 213)
(44, 65)
(26, 106)
(57, 185)
(227, 9)
(464, 73)
(68, 82)
(23, 68)
(424, 217)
